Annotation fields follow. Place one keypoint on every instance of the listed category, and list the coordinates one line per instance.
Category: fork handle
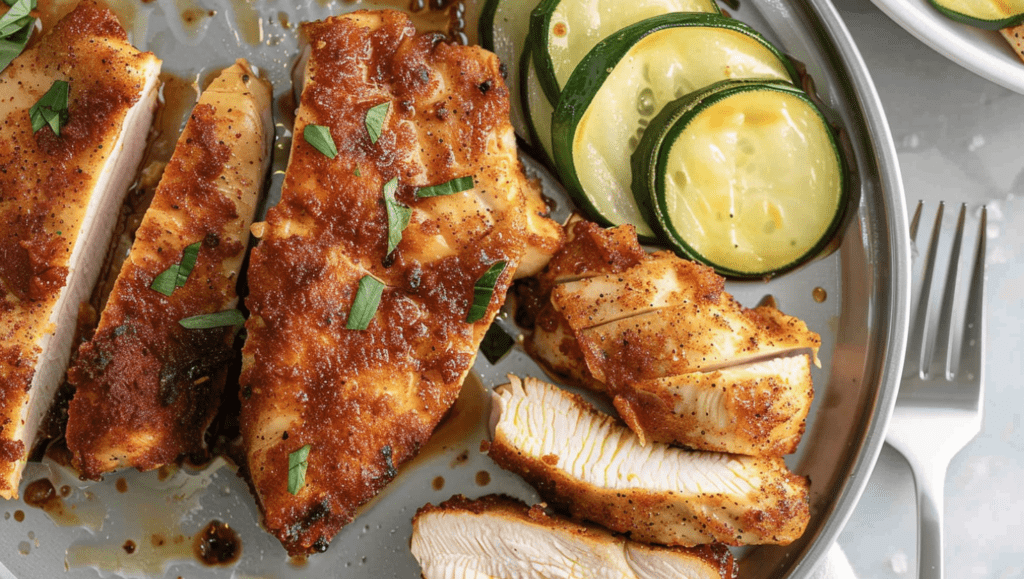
(930, 483)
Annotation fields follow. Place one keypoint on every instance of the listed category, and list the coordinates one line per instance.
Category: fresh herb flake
(483, 289)
(177, 274)
(364, 306)
(298, 462)
(375, 120)
(496, 344)
(357, 173)
(17, 18)
(319, 137)
(217, 320)
(456, 185)
(51, 108)
(398, 215)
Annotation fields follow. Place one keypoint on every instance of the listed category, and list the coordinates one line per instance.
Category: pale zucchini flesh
(536, 108)
(566, 30)
(616, 91)
(750, 183)
(503, 29)
(987, 14)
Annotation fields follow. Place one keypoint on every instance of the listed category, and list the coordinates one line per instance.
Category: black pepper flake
(485, 86)
(388, 462)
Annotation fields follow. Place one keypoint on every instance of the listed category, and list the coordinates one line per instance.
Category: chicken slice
(657, 281)
(703, 335)
(60, 197)
(590, 465)
(589, 251)
(497, 537)
(755, 409)
(367, 400)
(146, 387)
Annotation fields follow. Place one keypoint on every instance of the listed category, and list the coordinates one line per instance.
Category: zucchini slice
(987, 14)
(536, 108)
(566, 30)
(503, 27)
(625, 80)
(744, 176)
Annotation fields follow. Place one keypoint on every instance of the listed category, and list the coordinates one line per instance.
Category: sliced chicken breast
(365, 400)
(755, 409)
(147, 388)
(61, 196)
(497, 537)
(590, 465)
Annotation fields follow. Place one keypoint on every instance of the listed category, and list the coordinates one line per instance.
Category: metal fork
(938, 410)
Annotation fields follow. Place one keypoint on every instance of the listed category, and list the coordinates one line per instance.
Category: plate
(143, 524)
(983, 52)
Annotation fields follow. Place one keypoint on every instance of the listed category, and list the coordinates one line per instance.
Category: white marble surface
(960, 139)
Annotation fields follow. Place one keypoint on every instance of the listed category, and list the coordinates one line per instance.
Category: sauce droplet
(820, 295)
(19, 515)
(40, 494)
(483, 478)
(129, 546)
(217, 545)
(438, 483)
(122, 485)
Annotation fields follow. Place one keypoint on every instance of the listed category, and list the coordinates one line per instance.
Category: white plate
(984, 52)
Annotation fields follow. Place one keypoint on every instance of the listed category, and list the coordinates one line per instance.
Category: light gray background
(960, 138)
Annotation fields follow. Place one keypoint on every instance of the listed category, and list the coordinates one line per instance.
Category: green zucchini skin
(540, 25)
(485, 26)
(976, 21)
(590, 75)
(651, 157)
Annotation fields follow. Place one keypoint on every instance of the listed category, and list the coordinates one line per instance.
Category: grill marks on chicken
(680, 359)
(593, 467)
(59, 199)
(366, 400)
(146, 387)
(500, 537)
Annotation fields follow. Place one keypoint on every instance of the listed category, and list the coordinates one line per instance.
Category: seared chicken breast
(60, 196)
(497, 537)
(590, 465)
(361, 402)
(147, 387)
(756, 409)
(680, 359)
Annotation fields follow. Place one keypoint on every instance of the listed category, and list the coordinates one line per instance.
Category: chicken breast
(147, 388)
(501, 538)
(590, 465)
(755, 409)
(60, 199)
(363, 401)
(589, 251)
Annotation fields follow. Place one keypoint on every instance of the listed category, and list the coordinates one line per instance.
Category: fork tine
(972, 351)
(940, 362)
(919, 320)
(916, 219)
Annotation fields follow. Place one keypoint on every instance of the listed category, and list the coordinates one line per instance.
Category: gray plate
(863, 325)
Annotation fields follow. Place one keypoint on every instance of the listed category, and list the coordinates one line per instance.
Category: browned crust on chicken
(775, 512)
(147, 388)
(762, 415)
(367, 400)
(46, 182)
(717, 556)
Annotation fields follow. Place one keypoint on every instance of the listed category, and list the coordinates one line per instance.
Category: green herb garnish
(483, 289)
(375, 120)
(456, 185)
(398, 215)
(15, 29)
(51, 108)
(176, 275)
(357, 173)
(217, 320)
(364, 306)
(298, 462)
(320, 137)
(496, 344)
